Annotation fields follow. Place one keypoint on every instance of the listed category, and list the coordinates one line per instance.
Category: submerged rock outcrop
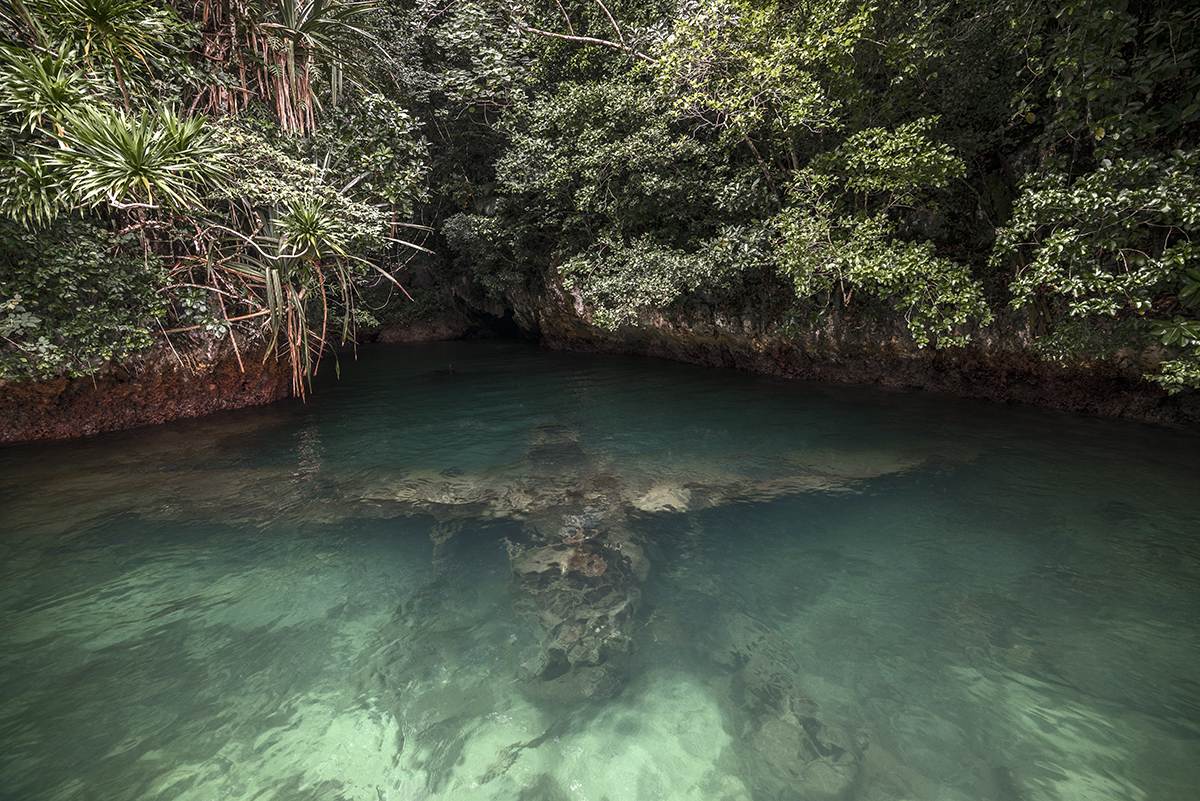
(790, 748)
(585, 596)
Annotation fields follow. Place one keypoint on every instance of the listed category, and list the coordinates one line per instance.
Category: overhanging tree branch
(612, 21)
(526, 28)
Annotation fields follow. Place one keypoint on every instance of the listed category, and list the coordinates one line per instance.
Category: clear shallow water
(843, 594)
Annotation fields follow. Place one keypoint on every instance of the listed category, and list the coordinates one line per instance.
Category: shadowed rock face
(159, 390)
(849, 349)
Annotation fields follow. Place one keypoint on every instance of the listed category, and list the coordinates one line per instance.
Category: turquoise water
(485, 571)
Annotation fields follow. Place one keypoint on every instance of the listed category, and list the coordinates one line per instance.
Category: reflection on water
(481, 571)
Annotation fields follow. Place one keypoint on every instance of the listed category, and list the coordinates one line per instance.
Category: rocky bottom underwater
(484, 571)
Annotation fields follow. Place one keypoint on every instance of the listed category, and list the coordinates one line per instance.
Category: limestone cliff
(832, 348)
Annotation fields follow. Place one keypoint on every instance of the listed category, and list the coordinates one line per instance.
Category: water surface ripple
(485, 571)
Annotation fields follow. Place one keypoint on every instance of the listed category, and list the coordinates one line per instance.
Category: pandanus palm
(302, 267)
(78, 151)
(107, 156)
(30, 193)
(311, 36)
(297, 44)
(123, 33)
(40, 86)
(37, 88)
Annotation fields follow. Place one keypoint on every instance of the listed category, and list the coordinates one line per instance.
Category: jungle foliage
(165, 175)
(959, 166)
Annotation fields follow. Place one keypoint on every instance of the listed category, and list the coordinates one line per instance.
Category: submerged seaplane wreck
(579, 571)
(579, 565)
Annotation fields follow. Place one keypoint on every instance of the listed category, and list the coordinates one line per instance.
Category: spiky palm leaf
(318, 25)
(38, 86)
(135, 28)
(308, 230)
(30, 193)
(303, 275)
(109, 156)
(291, 49)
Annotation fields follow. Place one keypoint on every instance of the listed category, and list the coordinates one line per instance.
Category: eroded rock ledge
(996, 367)
(166, 385)
(159, 388)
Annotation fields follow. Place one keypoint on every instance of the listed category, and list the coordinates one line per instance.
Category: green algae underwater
(487, 571)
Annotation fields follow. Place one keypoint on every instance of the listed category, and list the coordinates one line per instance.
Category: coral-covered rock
(584, 596)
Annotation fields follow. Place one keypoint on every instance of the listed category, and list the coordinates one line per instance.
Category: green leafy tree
(72, 299)
(1102, 232)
